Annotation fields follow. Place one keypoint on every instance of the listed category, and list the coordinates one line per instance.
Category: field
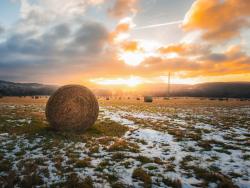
(168, 143)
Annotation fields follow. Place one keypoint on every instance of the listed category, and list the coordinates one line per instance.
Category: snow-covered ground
(198, 147)
(230, 162)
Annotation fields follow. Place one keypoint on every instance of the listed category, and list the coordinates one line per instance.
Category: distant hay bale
(138, 98)
(148, 99)
(107, 98)
(243, 99)
(212, 99)
(72, 108)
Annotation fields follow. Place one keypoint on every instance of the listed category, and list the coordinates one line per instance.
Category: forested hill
(25, 89)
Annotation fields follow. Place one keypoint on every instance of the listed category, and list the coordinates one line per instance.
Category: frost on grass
(132, 144)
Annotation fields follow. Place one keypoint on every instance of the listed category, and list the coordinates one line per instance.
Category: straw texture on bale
(73, 108)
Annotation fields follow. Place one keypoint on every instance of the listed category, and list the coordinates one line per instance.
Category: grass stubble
(31, 154)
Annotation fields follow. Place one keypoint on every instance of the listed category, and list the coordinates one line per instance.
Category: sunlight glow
(121, 37)
(147, 48)
(124, 34)
(178, 79)
(132, 58)
(132, 81)
(171, 55)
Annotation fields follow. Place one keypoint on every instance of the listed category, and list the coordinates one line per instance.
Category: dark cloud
(25, 45)
(57, 50)
(1, 29)
(59, 31)
(91, 37)
(234, 53)
(215, 57)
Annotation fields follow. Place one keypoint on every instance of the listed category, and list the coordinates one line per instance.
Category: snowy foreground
(161, 146)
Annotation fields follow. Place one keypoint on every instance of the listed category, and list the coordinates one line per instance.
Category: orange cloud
(130, 46)
(233, 62)
(122, 8)
(184, 49)
(218, 20)
(123, 28)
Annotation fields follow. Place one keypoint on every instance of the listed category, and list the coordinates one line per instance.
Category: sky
(124, 43)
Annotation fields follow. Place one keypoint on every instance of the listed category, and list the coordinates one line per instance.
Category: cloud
(231, 61)
(52, 44)
(2, 30)
(91, 37)
(193, 60)
(37, 15)
(215, 57)
(122, 8)
(202, 60)
(56, 8)
(122, 30)
(61, 30)
(219, 20)
(130, 46)
(185, 49)
(33, 14)
(201, 68)
(50, 41)
(61, 50)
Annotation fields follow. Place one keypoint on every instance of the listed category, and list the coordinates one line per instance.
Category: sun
(133, 81)
(146, 48)
(132, 58)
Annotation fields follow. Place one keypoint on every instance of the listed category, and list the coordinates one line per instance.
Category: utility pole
(169, 84)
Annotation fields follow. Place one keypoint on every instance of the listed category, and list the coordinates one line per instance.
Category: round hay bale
(72, 108)
(148, 99)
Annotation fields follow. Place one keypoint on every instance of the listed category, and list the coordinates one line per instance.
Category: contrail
(158, 25)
